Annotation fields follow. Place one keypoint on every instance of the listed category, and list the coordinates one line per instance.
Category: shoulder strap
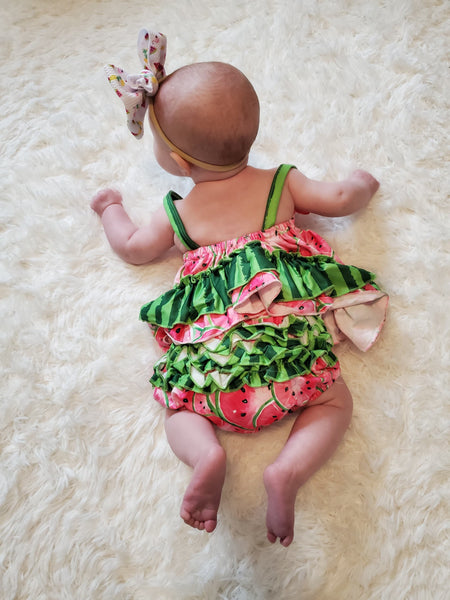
(175, 220)
(273, 199)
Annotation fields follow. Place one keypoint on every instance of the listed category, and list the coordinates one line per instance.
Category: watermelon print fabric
(243, 331)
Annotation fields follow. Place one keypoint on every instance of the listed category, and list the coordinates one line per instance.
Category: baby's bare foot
(202, 498)
(281, 491)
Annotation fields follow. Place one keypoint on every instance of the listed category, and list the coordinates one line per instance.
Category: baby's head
(206, 113)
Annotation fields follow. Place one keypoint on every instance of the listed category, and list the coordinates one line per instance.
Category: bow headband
(135, 91)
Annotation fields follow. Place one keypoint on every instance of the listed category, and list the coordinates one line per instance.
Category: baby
(249, 325)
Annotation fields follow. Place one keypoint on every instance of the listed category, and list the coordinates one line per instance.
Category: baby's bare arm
(135, 245)
(332, 199)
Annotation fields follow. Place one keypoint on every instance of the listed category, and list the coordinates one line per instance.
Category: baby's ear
(182, 164)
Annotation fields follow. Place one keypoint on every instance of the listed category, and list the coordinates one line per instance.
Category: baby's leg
(315, 436)
(194, 441)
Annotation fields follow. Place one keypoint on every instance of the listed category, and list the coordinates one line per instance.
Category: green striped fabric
(210, 291)
(275, 355)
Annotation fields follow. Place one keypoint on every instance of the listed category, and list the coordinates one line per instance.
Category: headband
(137, 92)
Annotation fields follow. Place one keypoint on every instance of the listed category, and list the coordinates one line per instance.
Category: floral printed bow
(135, 90)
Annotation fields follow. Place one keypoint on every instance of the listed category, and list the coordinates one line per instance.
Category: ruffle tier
(247, 355)
(294, 278)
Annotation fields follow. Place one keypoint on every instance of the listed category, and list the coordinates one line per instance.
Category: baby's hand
(103, 199)
(366, 181)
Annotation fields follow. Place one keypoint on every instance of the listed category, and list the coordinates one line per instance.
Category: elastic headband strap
(188, 157)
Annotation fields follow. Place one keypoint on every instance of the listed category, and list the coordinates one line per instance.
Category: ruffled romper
(249, 326)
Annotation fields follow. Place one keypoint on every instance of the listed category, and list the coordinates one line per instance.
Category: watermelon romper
(249, 326)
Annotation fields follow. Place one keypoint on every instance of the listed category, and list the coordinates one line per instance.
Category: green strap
(273, 200)
(175, 220)
(270, 215)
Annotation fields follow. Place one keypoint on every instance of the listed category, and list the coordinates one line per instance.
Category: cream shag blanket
(89, 490)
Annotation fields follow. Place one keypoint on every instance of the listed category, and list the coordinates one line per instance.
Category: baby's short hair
(209, 110)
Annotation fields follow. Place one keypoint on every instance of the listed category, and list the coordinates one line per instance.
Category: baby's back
(216, 211)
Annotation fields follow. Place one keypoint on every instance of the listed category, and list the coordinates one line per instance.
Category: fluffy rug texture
(89, 489)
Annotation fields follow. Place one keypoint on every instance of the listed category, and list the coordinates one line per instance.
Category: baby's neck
(199, 175)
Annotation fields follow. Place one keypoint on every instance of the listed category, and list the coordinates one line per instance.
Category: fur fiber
(89, 489)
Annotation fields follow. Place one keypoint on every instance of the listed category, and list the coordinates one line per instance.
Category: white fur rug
(89, 490)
